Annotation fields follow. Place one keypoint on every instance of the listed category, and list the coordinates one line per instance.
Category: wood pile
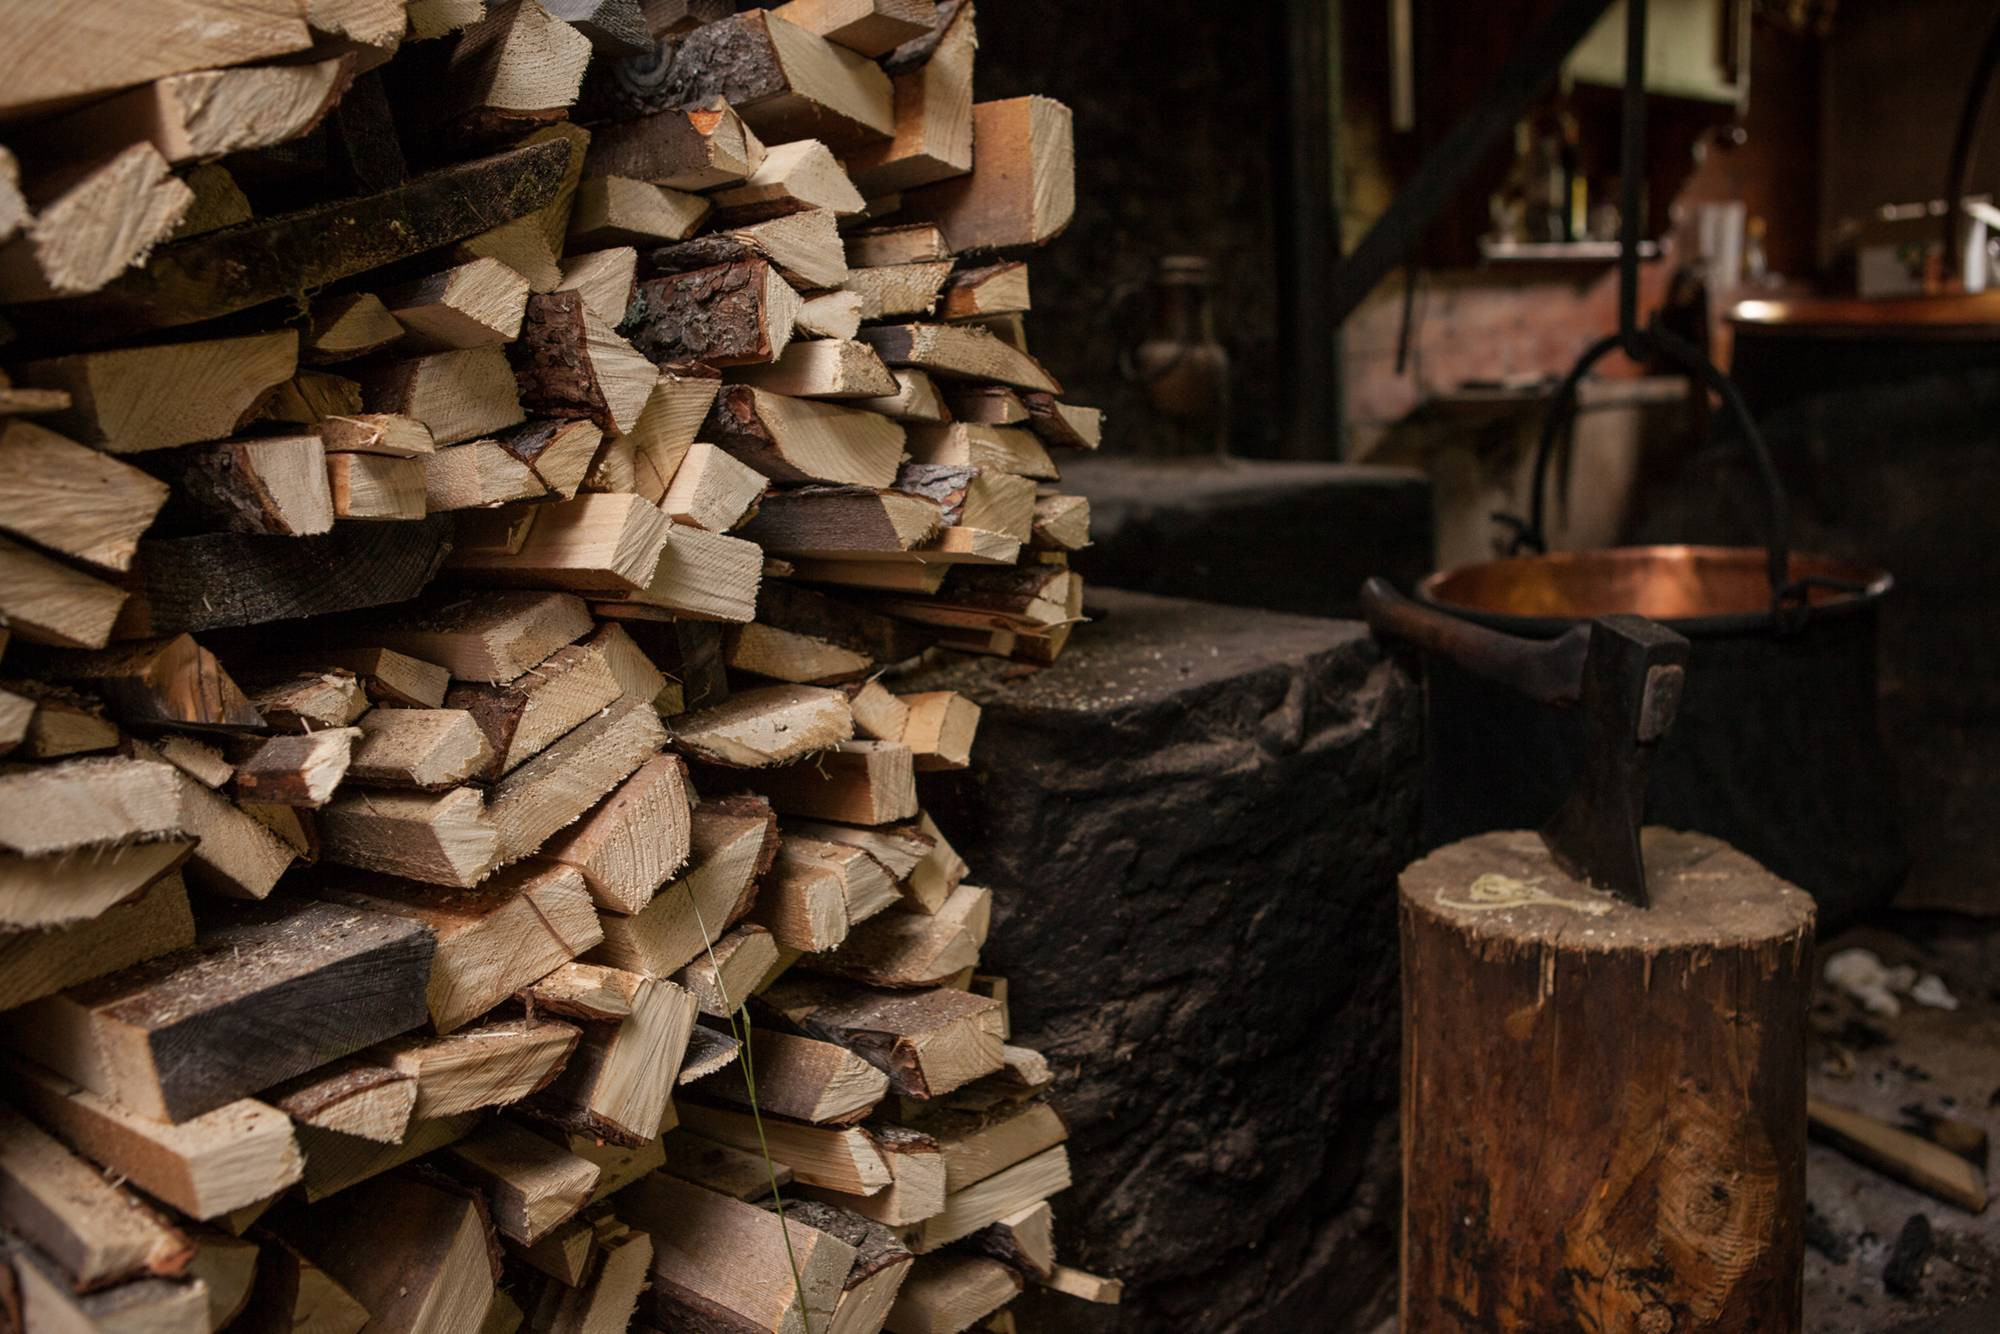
(472, 472)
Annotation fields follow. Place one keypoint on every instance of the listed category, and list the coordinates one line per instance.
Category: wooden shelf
(1558, 252)
(1968, 316)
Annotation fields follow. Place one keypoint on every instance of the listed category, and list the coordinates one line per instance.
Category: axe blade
(1631, 688)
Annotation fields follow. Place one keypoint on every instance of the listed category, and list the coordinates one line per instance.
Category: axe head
(1631, 690)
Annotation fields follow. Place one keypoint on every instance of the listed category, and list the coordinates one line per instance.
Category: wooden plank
(34, 964)
(269, 991)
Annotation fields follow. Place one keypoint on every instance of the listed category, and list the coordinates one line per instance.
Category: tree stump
(1604, 1107)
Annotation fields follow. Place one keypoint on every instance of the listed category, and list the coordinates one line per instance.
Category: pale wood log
(785, 82)
(995, 1197)
(979, 1144)
(801, 440)
(830, 315)
(916, 1190)
(804, 1079)
(1917, 1162)
(492, 940)
(701, 576)
(1024, 1240)
(897, 289)
(927, 1042)
(948, 1293)
(842, 1159)
(1022, 190)
(310, 397)
(355, 1096)
(606, 1302)
(916, 399)
(37, 1289)
(235, 855)
(372, 486)
(87, 801)
(197, 759)
(490, 637)
(986, 404)
(428, 749)
(765, 726)
(457, 395)
(729, 850)
(694, 149)
(941, 728)
(95, 216)
(799, 175)
(514, 68)
(1085, 1286)
(718, 1167)
(619, 1083)
(563, 1252)
(349, 325)
(312, 699)
(618, 1165)
(596, 543)
(1000, 449)
(652, 451)
(73, 500)
(532, 243)
(722, 977)
(878, 715)
(539, 461)
(857, 782)
(934, 127)
(438, 838)
(42, 893)
(476, 304)
(300, 770)
(146, 398)
(1066, 424)
(558, 786)
(636, 673)
(993, 289)
(205, 1166)
(384, 433)
(711, 490)
(494, 1064)
(1062, 523)
(615, 210)
(227, 1267)
(605, 279)
(901, 950)
(545, 701)
(828, 368)
(633, 841)
(38, 963)
(896, 243)
(864, 884)
(803, 906)
(531, 1184)
(571, 363)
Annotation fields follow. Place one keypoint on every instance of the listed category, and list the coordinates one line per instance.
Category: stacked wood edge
(472, 478)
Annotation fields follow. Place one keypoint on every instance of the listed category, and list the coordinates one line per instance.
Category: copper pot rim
(1695, 589)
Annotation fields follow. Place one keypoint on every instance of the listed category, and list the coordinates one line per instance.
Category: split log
(371, 486)
(604, 544)
(728, 851)
(271, 992)
(439, 1273)
(570, 363)
(614, 27)
(96, 1232)
(898, 289)
(347, 325)
(805, 247)
(916, 1190)
(331, 698)
(387, 675)
(610, 1296)
(959, 351)
(896, 243)
(978, 499)
(558, 786)
(941, 726)
(606, 279)
(269, 484)
(871, 27)
(89, 801)
(119, 400)
(841, 1159)
(722, 977)
(823, 369)
(667, 427)
(492, 637)
(689, 653)
(206, 1166)
(43, 893)
(355, 1097)
(437, 838)
(978, 1145)
(927, 1042)
(310, 397)
(863, 885)
(916, 399)
(1000, 449)
(456, 395)
(801, 440)
(76, 501)
(857, 782)
(516, 68)
(427, 749)
(759, 728)
(171, 682)
(298, 770)
(703, 1162)
(1004, 1193)
(236, 855)
(1915, 1161)
(878, 715)
(701, 576)
(802, 905)
(539, 461)
(469, 305)
(993, 289)
(1635, 1005)
(383, 433)
(634, 840)
(830, 315)
(1022, 190)
(804, 1079)
(812, 639)
(694, 149)
(799, 175)
(94, 219)
(621, 211)
(946, 1293)
(521, 718)
(724, 315)
(1024, 1240)
(711, 490)
(1066, 424)
(934, 129)
(832, 523)
(584, 991)
(905, 950)
(986, 405)
(785, 82)
(492, 1065)
(289, 1290)
(530, 1184)
(1062, 523)
(532, 244)
(619, 1084)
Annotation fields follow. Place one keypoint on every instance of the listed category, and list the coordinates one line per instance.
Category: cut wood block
(977, 499)
(516, 67)
(558, 786)
(701, 576)
(95, 216)
(54, 59)
(1022, 190)
(948, 1293)
(530, 1184)
(1062, 523)
(234, 268)
(608, 1299)
(605, 279)
(799, 175)
(977, 1145)
(878, 715)
(871, 27)
(597, 543)
(823, 369)
(73, 500)
(335, 1161)
(441, 1276)
(205, 1167)
(803, 906)
(711, 490)
(441, 838)
(373, 486)
(898, 289)
(986, 404)
(722, 978)
(804, 247)
(158, 682)
(941, 727)
(310, 397)
(383, 433)
(903, 950)
(896, 243)
(927, 1042)
(613, 210)
(291, 1291)
(766, 726)
(389, 676)
(633, 841)
(1024, 1240)
(147, 398)
(832, 523)
(428, 749)
(619, 1083)
(491, 1065)
(682, 918)
(857, 782)
(478, 304)
(42, 893)
(271, 992)
(235, 854)
(694, 149)
(489, 637)
(813, 639)
(708, 1051)
(916, 1191)
(830, 315)
(993, 289)
(864, 886)
(804, 1079)
(539, 461)
(1000, 449)
(667, 427)
(521, 718)
(584, 991)
(899, 848)
(725, 315)
(842, 1159)
(330, 698)
(1005, 1192)
(916, 399)
(636, 674)
(933, 135)
(197, 759)
(713, 1253)
(959, 351)
(571, 363)
(355, 1096)
(785, 82)
(295, 827)
(1066, 424)
(801, 440)
(347, 325)
(1085, 1286)
(1917, 1162)
(96, 1232)
(1033, 599)
(492, 940)
(456, 395)
(88, 801)
(298, 770)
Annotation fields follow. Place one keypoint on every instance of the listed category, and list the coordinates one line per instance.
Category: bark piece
(725, 315)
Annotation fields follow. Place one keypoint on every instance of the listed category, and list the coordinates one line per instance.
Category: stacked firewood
(473, 474)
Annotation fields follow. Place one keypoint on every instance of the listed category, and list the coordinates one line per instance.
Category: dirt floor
(1922, 1062)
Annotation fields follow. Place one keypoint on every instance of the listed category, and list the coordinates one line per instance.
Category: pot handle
(1548, 670)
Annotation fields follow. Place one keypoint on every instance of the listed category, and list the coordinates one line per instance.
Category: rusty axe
(1624, 672)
